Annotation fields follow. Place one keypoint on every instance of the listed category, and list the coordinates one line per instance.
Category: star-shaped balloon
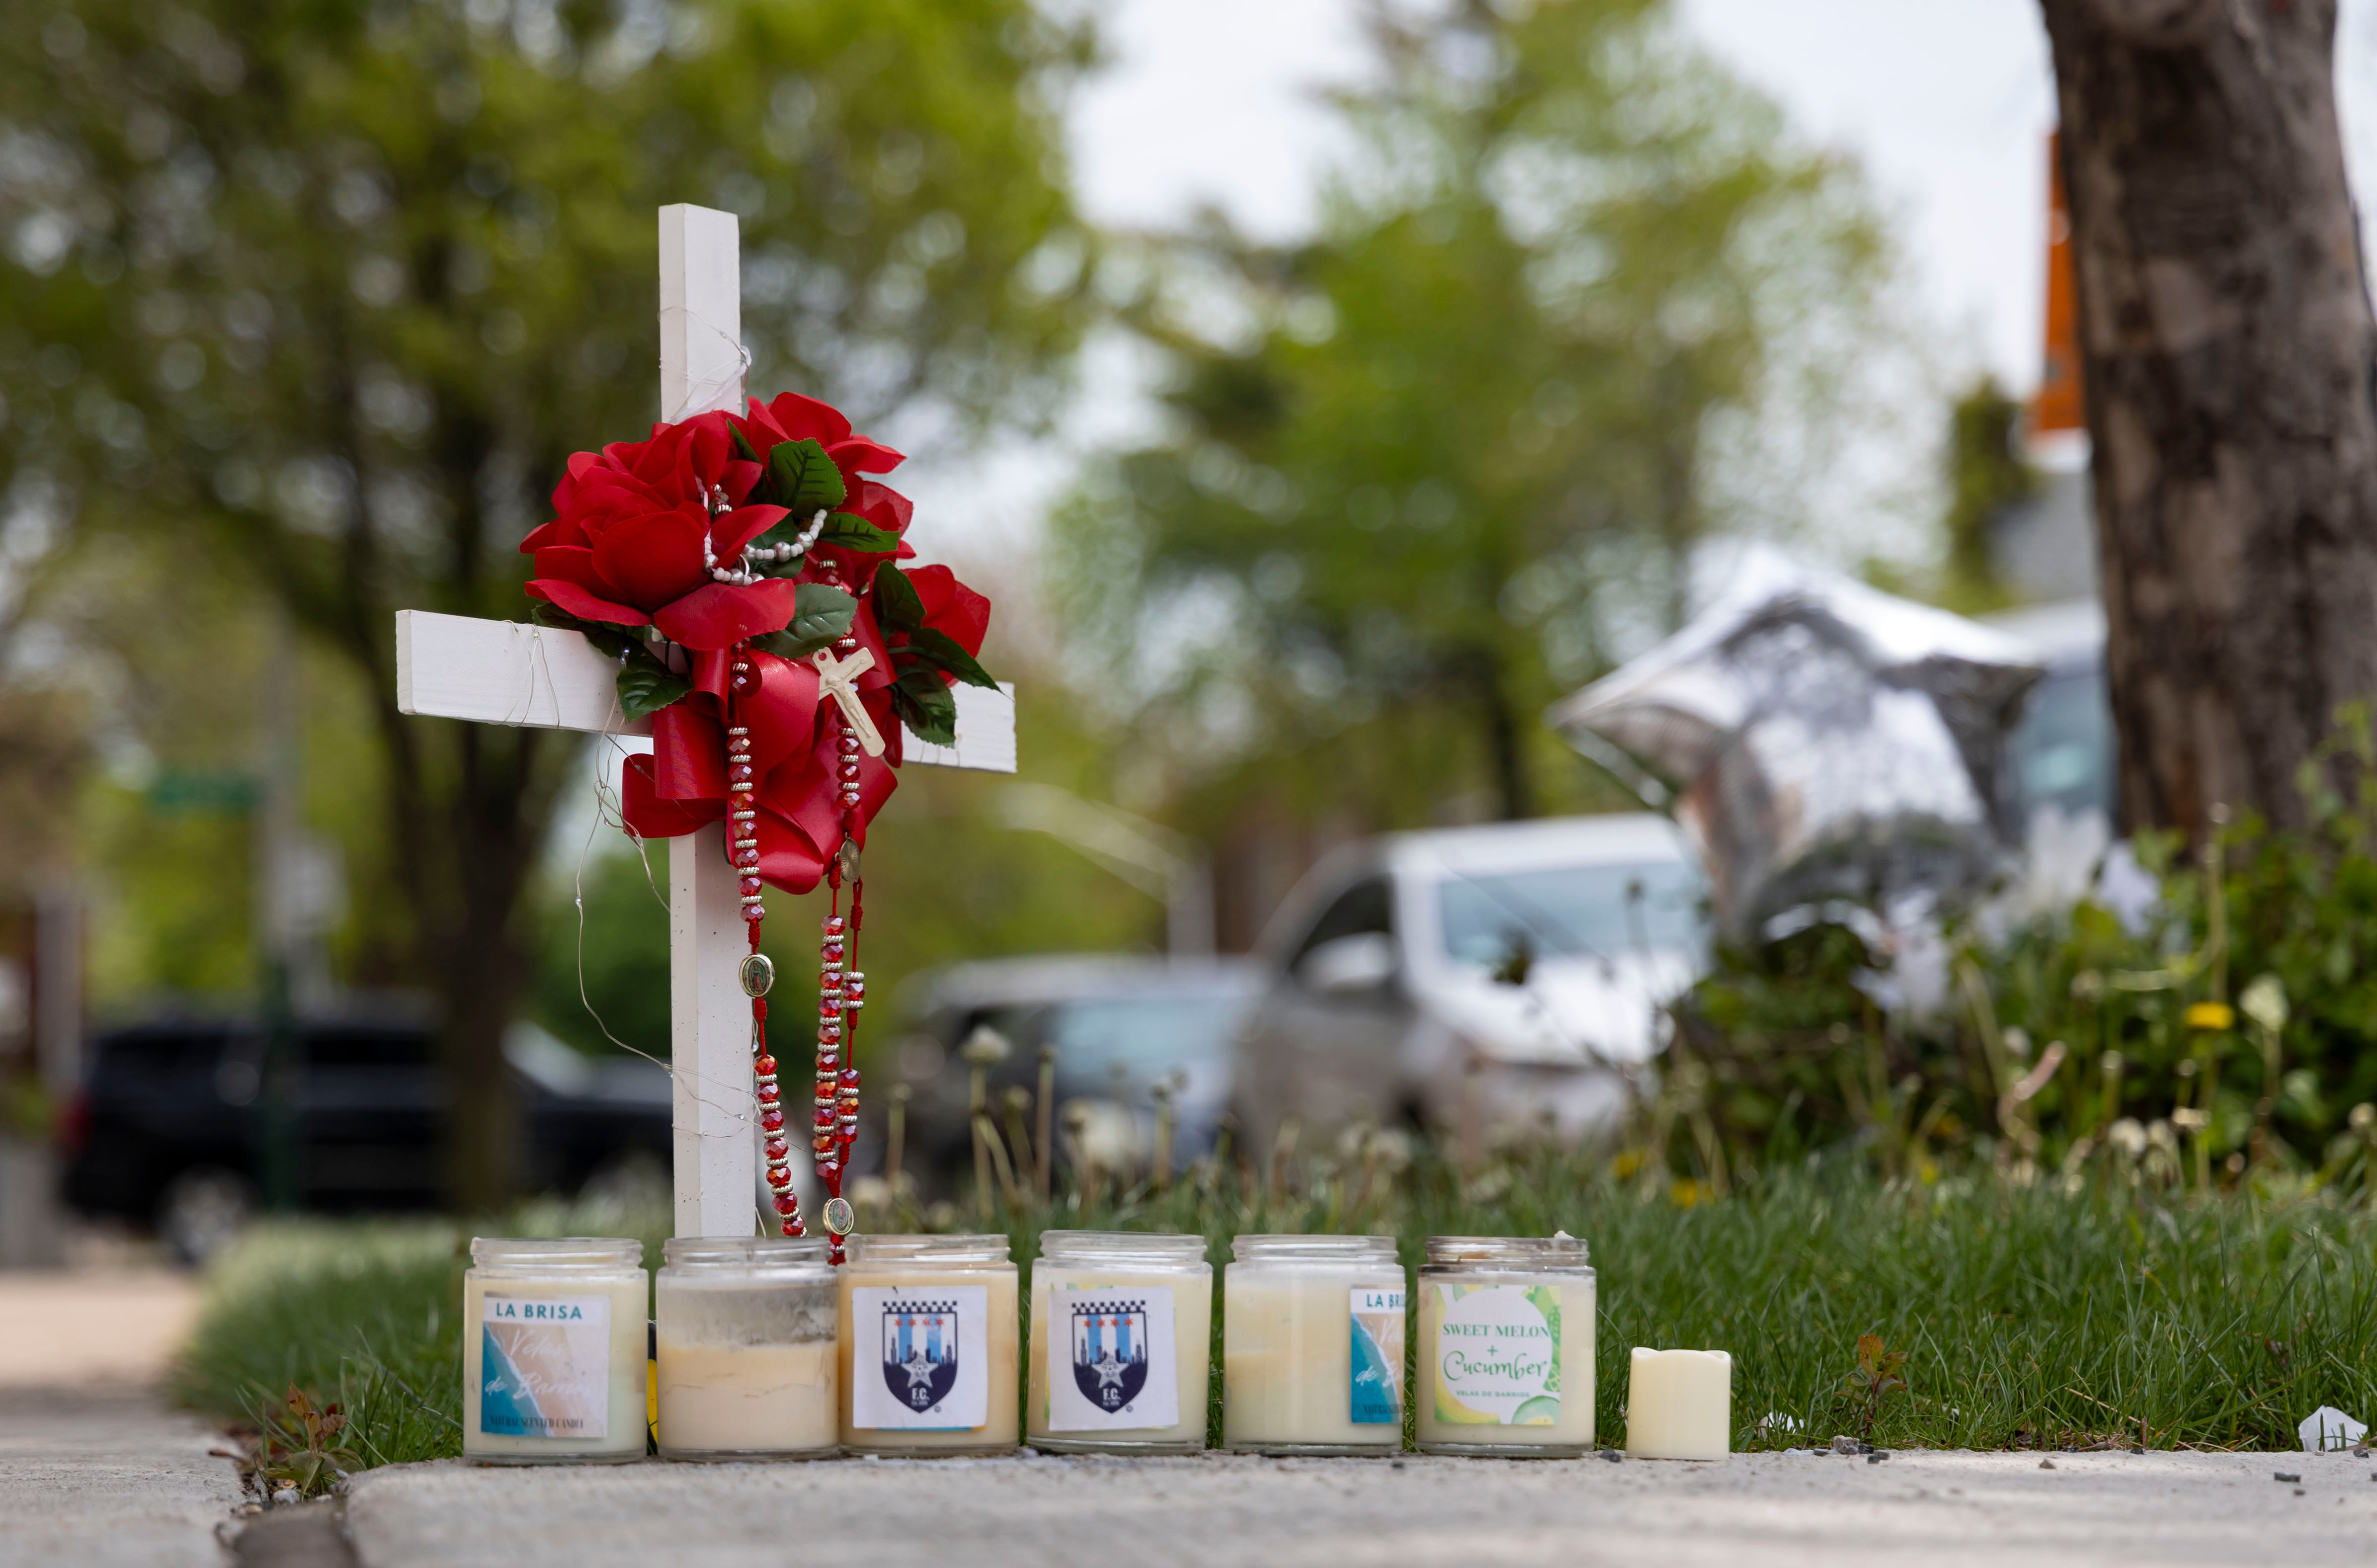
(1822, 741)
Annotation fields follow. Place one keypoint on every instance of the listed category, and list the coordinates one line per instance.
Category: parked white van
(1481, 980)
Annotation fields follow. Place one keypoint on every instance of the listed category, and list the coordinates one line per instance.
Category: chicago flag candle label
(544, 1366)
(1375, 1386)
(1111, 1359)
(932, 1357)
(1498, 1355)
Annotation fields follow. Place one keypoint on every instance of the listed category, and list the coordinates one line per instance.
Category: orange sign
(2058, 406)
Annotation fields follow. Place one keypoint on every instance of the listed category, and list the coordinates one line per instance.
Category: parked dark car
(169, 1128)
(1119, 1026)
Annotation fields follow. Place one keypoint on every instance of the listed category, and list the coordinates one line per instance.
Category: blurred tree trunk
(2227, 346)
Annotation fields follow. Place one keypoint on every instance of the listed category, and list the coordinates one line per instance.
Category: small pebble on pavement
(1613, 1454)
(2047, 1463)
(2287, 1475)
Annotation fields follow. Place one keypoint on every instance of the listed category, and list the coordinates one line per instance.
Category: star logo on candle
(920, 1351)
(1110, 1351)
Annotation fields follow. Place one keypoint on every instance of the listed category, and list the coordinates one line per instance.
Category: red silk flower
(796, 418)
(626, 545)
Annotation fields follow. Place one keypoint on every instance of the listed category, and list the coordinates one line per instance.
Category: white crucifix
(838, 678)
(516, 672)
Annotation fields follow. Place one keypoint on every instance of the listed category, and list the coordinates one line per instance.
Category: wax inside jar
(552, 1369)
(1289, 1345)
(1506, 1361)
(1188, 1302)
(747, 1398)
(944, 1338)
(746, 1365)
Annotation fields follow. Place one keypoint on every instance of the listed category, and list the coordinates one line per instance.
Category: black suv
(170, 1127)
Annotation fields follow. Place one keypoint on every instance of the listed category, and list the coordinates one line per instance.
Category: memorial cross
(518, 673)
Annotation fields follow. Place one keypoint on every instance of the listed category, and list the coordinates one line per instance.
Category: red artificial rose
(796, 418)
(626, 544)
(952, 609)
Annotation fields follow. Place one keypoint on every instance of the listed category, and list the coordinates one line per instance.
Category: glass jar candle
(928, 1346)
(1122, 1346)
(1312, 1345)
(1506, 1346)
(553, 1336)
(746, 1349)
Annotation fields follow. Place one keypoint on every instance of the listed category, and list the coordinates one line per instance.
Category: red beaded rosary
(842, 987)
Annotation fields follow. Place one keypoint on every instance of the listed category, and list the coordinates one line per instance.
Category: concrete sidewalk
(1772, 1509)
(99, 1479)
(94, 1470)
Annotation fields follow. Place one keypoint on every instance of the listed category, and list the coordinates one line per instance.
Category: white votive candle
(1122, 1346)
(929, 1350)
(747, 1349)
(1505, 1357)
(554, 1334)
(1312, 1345)
(1680, 1405)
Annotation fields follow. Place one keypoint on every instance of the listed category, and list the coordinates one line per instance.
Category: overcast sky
(1947, 103)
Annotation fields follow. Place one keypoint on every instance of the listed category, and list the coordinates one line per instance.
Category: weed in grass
(1876, 1379)
(297, 1446)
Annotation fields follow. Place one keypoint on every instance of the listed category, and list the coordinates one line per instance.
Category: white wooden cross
(514, 672)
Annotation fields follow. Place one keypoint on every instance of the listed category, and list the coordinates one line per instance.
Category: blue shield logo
(920, 1351)
(1110, 1351)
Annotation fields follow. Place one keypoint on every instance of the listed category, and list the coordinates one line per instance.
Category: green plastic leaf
(742, 444)
(646, 688)
(800, 476)
(897, 606)
(943, 651)
(926, 706)
(853, 532)
(820, 615)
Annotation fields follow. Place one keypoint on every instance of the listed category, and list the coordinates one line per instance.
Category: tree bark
(2226, 347)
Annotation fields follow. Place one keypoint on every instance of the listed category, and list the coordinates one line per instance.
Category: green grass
(2031, 1317)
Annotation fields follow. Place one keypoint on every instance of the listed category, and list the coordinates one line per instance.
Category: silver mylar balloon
(1822, 741)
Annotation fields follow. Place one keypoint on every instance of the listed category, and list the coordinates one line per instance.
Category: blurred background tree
(334, 291)
(1986, 474)
(1451, 458)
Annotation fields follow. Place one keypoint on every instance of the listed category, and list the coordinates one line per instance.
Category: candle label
(1375, 1393)
(932, 1369)
(1498, 1355)
(1118, 1346)
(544, 1366)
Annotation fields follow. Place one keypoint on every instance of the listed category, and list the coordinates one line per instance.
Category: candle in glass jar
(747, 1349)
(1312, 1345)
(1506, 1327)
(1121, 1348)
(554, 1338)
(1680, 1405)
(928, 1346)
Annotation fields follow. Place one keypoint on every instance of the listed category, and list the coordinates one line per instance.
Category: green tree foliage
(1986, 475)
(1445, 460)
(341, 287)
